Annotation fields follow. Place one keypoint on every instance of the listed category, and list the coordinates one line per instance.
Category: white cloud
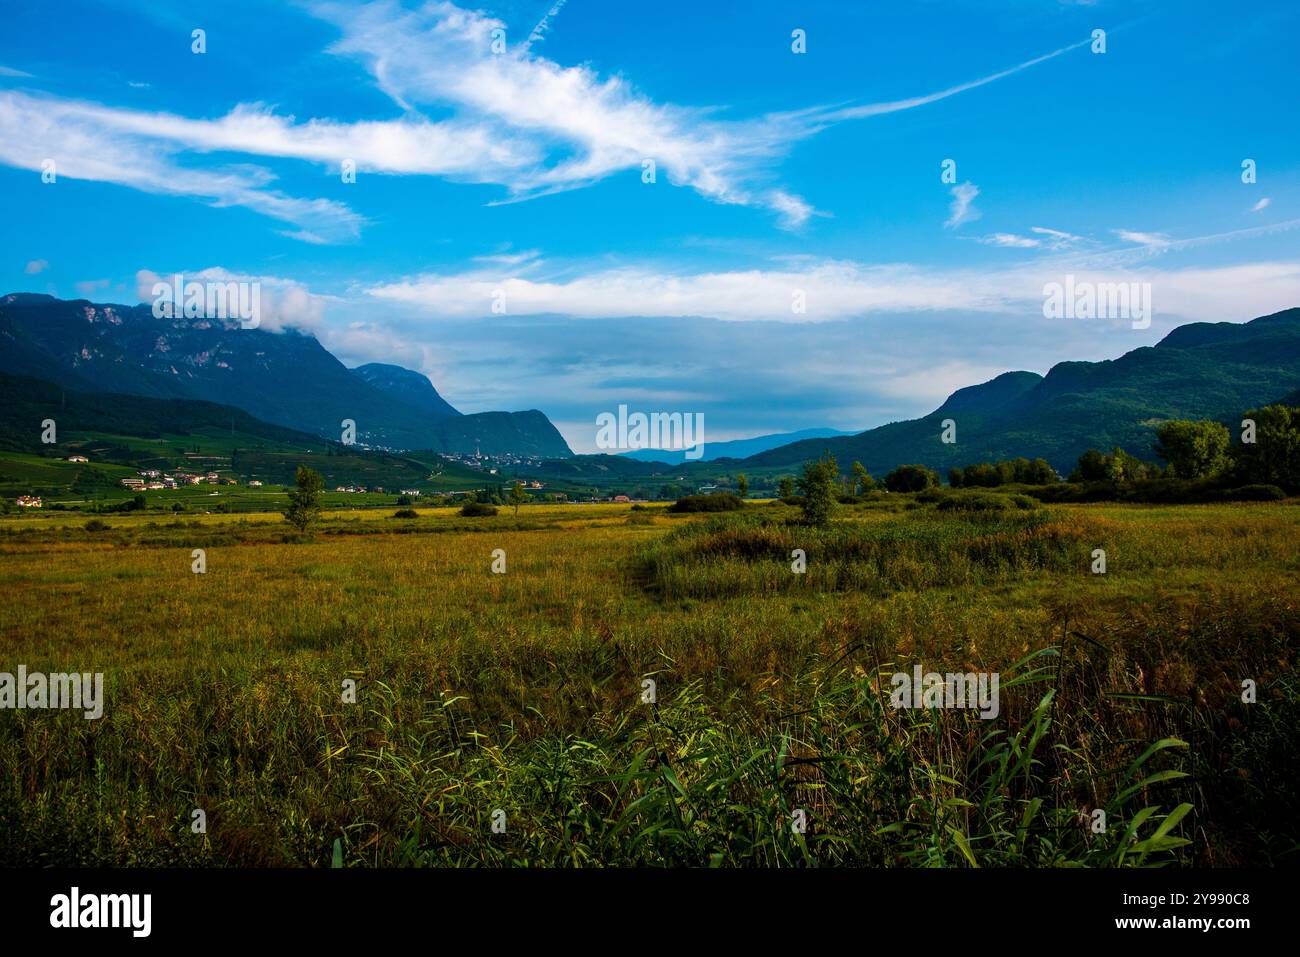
(1010, 240)
(539, 31)
(1262, 204)
(836, 290)
(962, 209)
(10, 71)
(1154, 240)
(95, 143)
(583, 126)
(89, 287)
(1056, 238)
(35, 266)
(510, 259)
(285, 303)
(587, 126)
(877, 109)
(516, 119)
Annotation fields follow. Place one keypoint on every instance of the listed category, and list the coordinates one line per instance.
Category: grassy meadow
(521, 699)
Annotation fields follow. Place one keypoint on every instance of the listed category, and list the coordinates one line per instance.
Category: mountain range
(286, 378)
(1198, 371)
(734, 448)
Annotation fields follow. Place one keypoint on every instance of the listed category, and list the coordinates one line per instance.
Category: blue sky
(519, 172)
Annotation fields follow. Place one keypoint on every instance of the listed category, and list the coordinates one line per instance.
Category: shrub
(95, 525)
(477, 509)
(1254, 493)
(406, 513)
(976, 502)
(911, 478)
(717, 502)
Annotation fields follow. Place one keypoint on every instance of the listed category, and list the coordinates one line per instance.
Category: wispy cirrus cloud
(507, 116)
(89, 142)
(1043, 238)
(441, 54)
(962, 208)
(539, 32)
(1154, 240)
(1010, 240)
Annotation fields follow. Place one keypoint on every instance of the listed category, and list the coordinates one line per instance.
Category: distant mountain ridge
(734, 448)
(1198, 371)
(287, 378)
(413, 388)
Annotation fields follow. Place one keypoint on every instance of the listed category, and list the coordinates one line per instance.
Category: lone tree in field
(785, 488)
(304, 501)
(742, 485)
(818, 484)
(518, 496)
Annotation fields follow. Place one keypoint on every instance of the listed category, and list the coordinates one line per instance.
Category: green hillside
(122, 435)
(1201, 370)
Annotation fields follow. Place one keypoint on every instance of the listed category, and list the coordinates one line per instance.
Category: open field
(524, 692)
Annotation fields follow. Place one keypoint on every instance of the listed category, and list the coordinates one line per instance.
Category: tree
(1040, 473)
(862, 480)
(742, 484)
(911, 478)
(1122, 467)
(304, 501)
(1116, 467)
(1274, 457)
(1194, 450)
(518, 496)
(955, 476)
(785, 488)
(818, 487)
(1091, 467)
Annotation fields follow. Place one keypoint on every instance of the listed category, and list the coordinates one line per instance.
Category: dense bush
(1254, 493)
(1009, 472)
(911, 478)
(477, 509)
(1273, 457)
(1161, 491)
(717, 502)
(406, 513)
(986, 502)
(750, 554)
